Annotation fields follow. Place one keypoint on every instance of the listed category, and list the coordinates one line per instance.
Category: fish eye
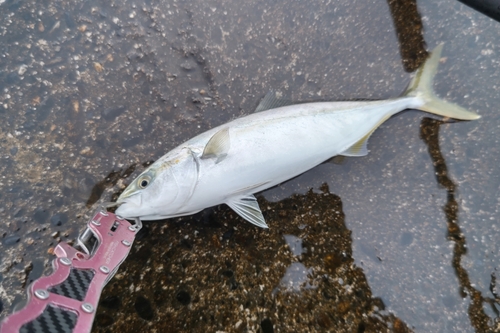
(144, 181)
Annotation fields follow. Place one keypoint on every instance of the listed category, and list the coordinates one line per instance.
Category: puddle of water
(91, 91)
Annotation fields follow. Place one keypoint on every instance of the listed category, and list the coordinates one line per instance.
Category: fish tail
(421, 87)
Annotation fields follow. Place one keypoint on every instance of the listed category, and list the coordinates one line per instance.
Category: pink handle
(66, 300)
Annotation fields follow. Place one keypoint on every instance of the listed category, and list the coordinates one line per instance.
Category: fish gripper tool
(66, 300)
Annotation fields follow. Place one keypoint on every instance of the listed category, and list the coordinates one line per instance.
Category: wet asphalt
(404, 239)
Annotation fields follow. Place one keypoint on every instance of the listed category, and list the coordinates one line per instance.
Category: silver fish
(231, 162)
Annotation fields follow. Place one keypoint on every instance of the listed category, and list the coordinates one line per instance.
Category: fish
(228, 164)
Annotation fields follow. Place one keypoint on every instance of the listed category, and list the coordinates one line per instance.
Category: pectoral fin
(248, 208)
(217, 146)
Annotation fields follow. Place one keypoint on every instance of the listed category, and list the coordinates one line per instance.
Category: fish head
(162, 190)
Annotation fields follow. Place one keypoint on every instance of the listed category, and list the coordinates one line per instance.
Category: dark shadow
(109, 181)
(429, 133)
(229, 276)
(409, 29)
(488, 8)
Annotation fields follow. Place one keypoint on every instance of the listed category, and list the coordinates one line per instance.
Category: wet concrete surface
(91, 92)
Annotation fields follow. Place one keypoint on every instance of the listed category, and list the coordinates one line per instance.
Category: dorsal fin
(271, 101)
(218, 145)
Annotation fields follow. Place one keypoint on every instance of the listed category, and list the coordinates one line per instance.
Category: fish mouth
(130, 206)
(134, 198)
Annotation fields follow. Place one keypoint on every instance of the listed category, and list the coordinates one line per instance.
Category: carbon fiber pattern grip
(65, 301)
(53, 319)
(76, 285)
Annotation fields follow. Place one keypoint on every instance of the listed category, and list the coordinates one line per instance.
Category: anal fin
(360, 148)
(248, 208)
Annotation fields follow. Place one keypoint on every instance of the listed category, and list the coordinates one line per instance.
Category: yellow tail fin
(421, 86)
